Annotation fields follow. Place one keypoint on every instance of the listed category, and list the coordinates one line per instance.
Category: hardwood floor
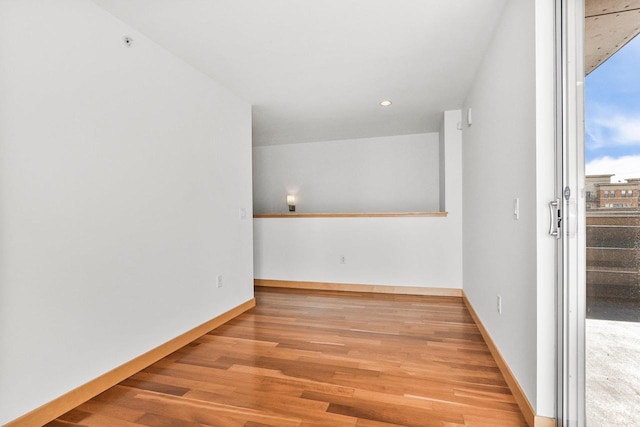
(314, 358)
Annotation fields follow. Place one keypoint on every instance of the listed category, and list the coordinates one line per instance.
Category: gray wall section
(499, 164)
(122, 172)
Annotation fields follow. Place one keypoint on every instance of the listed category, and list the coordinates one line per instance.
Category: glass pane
(613, 240)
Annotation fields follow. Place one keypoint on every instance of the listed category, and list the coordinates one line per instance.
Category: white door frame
(570, 190)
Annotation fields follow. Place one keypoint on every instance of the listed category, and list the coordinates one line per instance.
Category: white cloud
(624, 130)
(609, 124)
(596, 139)
(623, 167)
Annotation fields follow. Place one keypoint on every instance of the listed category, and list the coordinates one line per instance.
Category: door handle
(555, 218)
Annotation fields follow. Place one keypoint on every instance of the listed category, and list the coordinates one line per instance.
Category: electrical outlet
(219, 281)
(242, 213)
(343, 260)
(499, 304)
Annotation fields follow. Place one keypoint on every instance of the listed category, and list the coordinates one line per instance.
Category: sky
(612, 115)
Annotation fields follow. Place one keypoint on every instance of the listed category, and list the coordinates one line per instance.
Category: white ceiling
(317, 70)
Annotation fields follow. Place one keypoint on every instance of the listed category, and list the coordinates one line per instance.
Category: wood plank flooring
(316, 358)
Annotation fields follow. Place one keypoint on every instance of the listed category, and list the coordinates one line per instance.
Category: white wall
(378, 251)
(441, 170)
(499, 164)
(122, 171)
(385, 174)
(545, 181)
(422, 252)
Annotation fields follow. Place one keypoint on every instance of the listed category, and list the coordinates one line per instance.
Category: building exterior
(613, 245)
(603, 194)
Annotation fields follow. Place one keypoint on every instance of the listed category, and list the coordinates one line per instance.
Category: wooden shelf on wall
(352, 215)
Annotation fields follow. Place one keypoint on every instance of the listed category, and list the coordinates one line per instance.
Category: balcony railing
(613, 264)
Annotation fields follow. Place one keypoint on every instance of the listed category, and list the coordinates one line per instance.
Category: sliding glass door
(597, 208)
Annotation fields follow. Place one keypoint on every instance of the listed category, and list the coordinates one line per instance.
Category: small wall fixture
(291, 201)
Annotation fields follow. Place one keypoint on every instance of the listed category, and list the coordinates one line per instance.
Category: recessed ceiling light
(385, 103)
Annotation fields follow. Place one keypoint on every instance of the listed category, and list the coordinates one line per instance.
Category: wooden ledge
(352, 215)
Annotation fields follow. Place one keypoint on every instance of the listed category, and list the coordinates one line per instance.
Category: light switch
(516, 208)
